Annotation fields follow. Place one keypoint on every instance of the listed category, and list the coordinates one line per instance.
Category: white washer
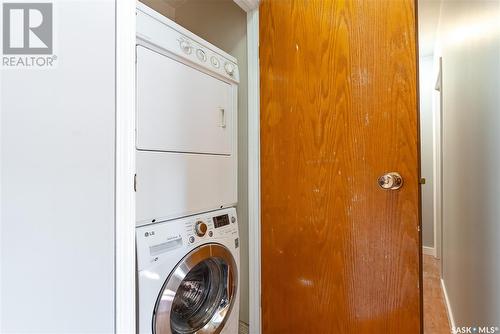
(188, 275)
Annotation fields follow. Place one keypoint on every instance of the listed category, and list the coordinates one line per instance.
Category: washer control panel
(219, 224)
(161, 240)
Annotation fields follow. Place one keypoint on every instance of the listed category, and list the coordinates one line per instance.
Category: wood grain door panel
(338, 110)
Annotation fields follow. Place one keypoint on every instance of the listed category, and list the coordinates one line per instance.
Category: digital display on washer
(220, 221)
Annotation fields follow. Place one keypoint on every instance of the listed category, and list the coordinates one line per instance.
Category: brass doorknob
(390, 181)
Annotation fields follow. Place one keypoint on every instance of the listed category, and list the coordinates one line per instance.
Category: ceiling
(428, 19)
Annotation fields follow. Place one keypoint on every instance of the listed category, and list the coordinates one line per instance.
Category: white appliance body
(171, 259)
(186, 135)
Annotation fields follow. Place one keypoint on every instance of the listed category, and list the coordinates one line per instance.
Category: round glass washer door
(199, 294)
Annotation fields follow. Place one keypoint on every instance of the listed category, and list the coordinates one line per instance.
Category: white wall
(57, 133)
(427, 83)
(469, 42)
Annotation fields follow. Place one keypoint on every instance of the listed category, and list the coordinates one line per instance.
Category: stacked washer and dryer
(186, 188)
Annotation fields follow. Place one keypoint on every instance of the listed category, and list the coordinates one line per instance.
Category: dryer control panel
(156, 29)
(160, 240)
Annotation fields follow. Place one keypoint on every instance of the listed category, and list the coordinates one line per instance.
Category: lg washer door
(198, 295)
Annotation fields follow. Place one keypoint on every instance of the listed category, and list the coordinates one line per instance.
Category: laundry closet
(191, 151)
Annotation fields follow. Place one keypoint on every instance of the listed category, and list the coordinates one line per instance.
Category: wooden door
(338, 110)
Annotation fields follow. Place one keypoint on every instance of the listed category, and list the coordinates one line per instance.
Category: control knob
(229, 68)
(185, 46)
(215, 62)
(201, 55)
(200, 228)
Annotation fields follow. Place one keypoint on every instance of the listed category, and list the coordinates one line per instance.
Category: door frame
(125, 296)
(125, 285)
(254, 170)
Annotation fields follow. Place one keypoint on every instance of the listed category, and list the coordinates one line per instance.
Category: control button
(191, 239)
(200, 228)
(201, 55)
(229, 68)
(185, 46)
(233, 219)
(210, 233)
(215, 62)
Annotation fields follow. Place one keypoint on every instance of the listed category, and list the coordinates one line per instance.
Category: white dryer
(188, 275)
(186, 134)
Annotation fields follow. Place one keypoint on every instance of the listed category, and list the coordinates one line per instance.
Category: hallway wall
(469, 42)
(427, 84)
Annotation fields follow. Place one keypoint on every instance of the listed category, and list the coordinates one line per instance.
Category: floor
(435, 317)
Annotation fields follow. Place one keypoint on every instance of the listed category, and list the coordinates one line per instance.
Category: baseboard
(448, 305)
(243, 328)
(429, 251)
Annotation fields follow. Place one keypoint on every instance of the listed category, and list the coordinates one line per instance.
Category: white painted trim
(254, 169)
(125, 168)
(429, 251)
(247, 5)
(448, 305)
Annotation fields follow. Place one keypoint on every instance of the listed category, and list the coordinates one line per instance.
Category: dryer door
(199, 294)
(181, 109)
